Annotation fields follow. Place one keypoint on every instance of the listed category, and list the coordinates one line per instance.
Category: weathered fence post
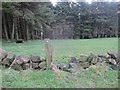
(49, 53)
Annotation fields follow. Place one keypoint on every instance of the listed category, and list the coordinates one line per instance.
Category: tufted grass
(92, 78)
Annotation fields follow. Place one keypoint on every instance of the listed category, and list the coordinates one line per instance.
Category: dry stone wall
(23, 62)
(111, 59)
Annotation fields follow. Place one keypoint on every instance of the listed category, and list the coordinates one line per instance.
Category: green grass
(62, 49)
(47, 79)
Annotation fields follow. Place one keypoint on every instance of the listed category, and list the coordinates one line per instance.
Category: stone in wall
(35, 58)
(43, 65)
(3, 54)
(9, 59)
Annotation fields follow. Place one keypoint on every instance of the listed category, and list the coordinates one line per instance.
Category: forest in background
(66, 20)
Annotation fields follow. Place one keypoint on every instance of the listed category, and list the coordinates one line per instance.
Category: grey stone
(74, 60)
(43, 65)
(62, 66)
(100, 60)
(104, 59)
(113, 54)
(16, 66)
(24, 58)
(83, 58)
(72, 65)
(35, 58)
(86, 65)
(90, 57)
(3, 54)
(9, 59)
(5, 62)
(35, 65)
(112, 61)
(18, 60)
(95, 59)
(21, 59)
(26, 66)
(104, 55)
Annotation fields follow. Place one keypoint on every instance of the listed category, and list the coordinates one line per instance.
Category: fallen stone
(35, 58)
(85, 65)
(43, 65)
(112, 61)
(3, 54)
(90, 57)
(74, 60)
(9, 59)
(35, 65)
(104, 55)
(62, 66)
(83, 58)
(26, 66)
(95, 59)
(72, 65)
(113, 54)
(5, 62)
(104, 59)
(100, 59)
(16, 66)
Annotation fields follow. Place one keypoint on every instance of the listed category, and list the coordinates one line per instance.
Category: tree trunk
(17, 37)
(5, 28)
(27, 31)
(13, 31)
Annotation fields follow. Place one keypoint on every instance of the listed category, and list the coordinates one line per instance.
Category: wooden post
(49, 53)
(119, 19)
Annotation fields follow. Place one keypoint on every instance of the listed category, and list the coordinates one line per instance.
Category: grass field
(62, 49)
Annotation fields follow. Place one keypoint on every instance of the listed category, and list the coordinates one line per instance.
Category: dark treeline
(66, 20)
(25, 20)
(97, 20)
